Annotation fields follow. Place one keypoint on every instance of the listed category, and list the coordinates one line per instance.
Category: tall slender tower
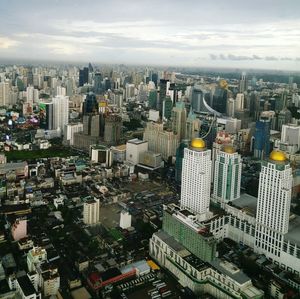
(228, 168)
(273, 204)
(179, 119)
(196, 175)
(192, 126)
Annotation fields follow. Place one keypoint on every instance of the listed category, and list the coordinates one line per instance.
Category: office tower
(162, 94)
(197, 99)
(30, 95)
(154, 78)
(273, 205)
(290, 134)
(46, 114)
(227, 175)
(70, 130)
(61, 91)
(101, 154)
(243, 83)
(179, 157)
(98, 83)
(262, 138)
(142, 92)
(106, 84)
(60, 112)
(220, 99)
(129, 91)
(69, 87)
(4, 93)
(160, 140)
(91, 211)
(196, 177)
(230, 107)
(167, 108)
(239, 101)
(193, 126)
(83, 76)
(90, 67)
(29, 77)
(90, 104)
(284, 117)
(152, 99)
(112, 131)
(179, 120)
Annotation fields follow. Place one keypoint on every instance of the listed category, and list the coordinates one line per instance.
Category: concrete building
(227, 175)
(196, 177)
(134, 148)
(193, 126)
(91, 211)
(290, 134)
(60, 112)
(112, 131)
(273, 205)
(101, 154)
(35, 257)
(19, 229)
(70, 130)
(160, 140)
(179, 120)
(125, 219)
(186, 248)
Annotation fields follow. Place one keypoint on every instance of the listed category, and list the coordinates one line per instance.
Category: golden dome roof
(223, 84)
(277, 155)
(198, 143)
(229, 149)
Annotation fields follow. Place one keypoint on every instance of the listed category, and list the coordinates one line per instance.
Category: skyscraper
(162, 94)
(83, 76)
(196, 176)
(179, 158)
(243, 83)
(167, 108)
(152, 99)
(179, 119)
(98, 83)
(91, 211)
(262, 138)
(90, 104)
(227, 175)
(197, 99)
(4, 93)
(112, 131)
(220, 100)
(192, 126)
(60, 112)
(273, 205)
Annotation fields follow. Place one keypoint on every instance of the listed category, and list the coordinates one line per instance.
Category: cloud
(6, 42)
(232, 57)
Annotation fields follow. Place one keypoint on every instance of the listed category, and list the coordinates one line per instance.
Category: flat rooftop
(136, 141)
(246, 202)
(230, 270)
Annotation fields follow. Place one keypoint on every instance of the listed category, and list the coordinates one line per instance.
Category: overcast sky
(232, 33)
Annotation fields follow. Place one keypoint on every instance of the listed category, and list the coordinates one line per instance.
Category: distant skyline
(227, 34)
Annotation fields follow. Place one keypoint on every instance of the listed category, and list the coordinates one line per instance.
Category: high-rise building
(162, 94)
(98, 83)
(273, 205)
(112, 131)
(179, 120)
(4, 93)
(70, 130)
(243, 83)
(90, 104)
(167, 108)
(134, 148)
(220, 100)
(262, 138)
(227, 175)
(83, 76)
(46, 114)
(239, 101)
(284, 117)
(30, 95)
(129, 91)
(179, 157)
(91, 211)
(197, 99)
(60, 112)
(196, 177)
(193, 126)
(152, 99)
(160, 140)
(290, 134)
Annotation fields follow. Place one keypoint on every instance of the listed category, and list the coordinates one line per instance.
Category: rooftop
(247, 203)
(230, 270)
(26, 285)
(136, 141)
